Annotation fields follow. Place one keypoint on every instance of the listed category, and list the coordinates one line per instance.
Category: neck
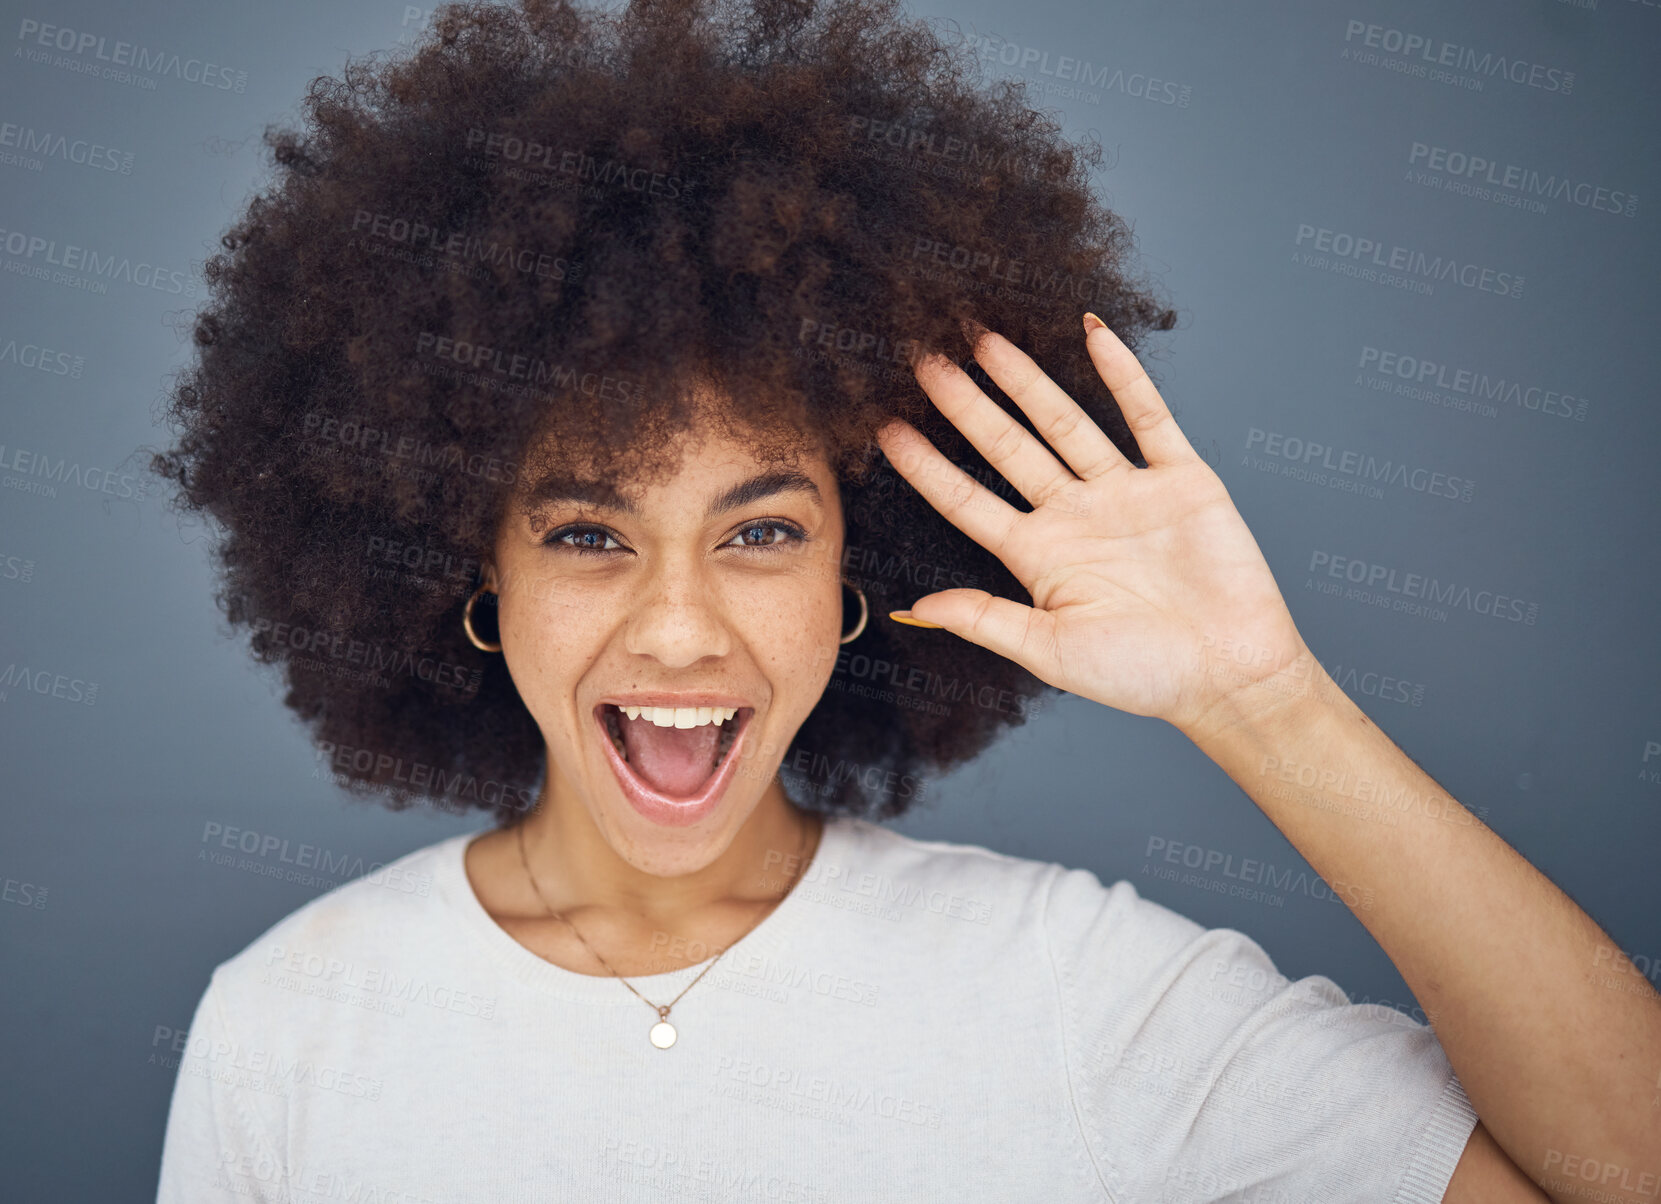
(577, 867)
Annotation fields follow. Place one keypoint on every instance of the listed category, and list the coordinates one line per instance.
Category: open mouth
(673, 753)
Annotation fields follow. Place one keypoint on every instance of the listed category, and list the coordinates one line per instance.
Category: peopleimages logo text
(130, 54)
(73, 258)
(1359, 464)
(1440, 53)
(1418, 585)
(1357, 249)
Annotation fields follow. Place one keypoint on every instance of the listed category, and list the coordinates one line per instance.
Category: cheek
(546, 643)
(796, 636)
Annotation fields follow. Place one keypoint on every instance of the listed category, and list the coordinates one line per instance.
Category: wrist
(1262, 703)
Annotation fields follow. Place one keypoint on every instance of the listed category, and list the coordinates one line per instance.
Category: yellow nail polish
(904, 616)
(1091, 321)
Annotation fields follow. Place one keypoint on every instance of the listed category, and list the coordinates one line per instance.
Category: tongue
(673, 760)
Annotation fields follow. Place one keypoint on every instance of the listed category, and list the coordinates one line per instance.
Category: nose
(678, 618)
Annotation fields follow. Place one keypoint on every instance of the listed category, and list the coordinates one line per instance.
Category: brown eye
(756, 535)
(583, 539)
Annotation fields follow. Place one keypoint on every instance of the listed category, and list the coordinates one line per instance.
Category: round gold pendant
(663, 1034)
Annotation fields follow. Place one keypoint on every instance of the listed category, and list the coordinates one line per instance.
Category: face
(632, 623)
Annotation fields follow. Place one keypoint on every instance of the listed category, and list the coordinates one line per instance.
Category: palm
(1149, 593)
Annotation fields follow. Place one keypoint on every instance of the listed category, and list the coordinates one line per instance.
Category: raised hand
(1149, 593)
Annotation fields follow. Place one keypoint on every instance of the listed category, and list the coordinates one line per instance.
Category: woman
(561, 410)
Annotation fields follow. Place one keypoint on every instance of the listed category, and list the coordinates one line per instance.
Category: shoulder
(306, 1000)
(980, 883)
(369, 919)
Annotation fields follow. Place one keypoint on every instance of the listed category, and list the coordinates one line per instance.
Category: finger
(1012, 629)
(1007, 445)
(967, 504)
(1061, 420)
(1157, 434)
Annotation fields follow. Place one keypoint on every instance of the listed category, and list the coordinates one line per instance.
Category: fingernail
(904, 616)
(1091, 321)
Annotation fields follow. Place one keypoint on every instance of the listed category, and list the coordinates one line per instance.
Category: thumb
(1011, 629)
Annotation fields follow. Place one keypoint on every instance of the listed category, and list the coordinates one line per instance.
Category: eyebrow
(555, 490)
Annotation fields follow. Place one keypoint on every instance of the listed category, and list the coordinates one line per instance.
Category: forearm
(1558, 1049)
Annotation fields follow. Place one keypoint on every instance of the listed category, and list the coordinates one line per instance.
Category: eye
(583, 538)
(781, 531)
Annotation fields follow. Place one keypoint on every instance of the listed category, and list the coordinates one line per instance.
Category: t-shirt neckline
(523, 966)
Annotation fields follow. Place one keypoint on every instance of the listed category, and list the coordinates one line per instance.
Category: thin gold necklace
(662, 1033)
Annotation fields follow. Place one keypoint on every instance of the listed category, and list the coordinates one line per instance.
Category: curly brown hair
(531, 230)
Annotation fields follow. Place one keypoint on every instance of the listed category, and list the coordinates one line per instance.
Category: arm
(1146, 587)
(1560, 1067)
(1485, 1174)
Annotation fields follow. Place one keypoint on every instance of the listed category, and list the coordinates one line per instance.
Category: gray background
(110, 919)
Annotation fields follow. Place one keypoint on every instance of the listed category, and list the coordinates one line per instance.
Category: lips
(661, 770)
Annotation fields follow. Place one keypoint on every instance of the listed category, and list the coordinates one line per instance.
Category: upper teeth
(680, 716)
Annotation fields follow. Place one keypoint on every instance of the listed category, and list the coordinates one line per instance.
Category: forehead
(718, 462)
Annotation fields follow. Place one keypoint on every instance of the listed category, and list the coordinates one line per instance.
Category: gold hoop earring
(864, 613)
(467, 625)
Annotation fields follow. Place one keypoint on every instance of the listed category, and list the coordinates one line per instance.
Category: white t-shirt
(916, 1021)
